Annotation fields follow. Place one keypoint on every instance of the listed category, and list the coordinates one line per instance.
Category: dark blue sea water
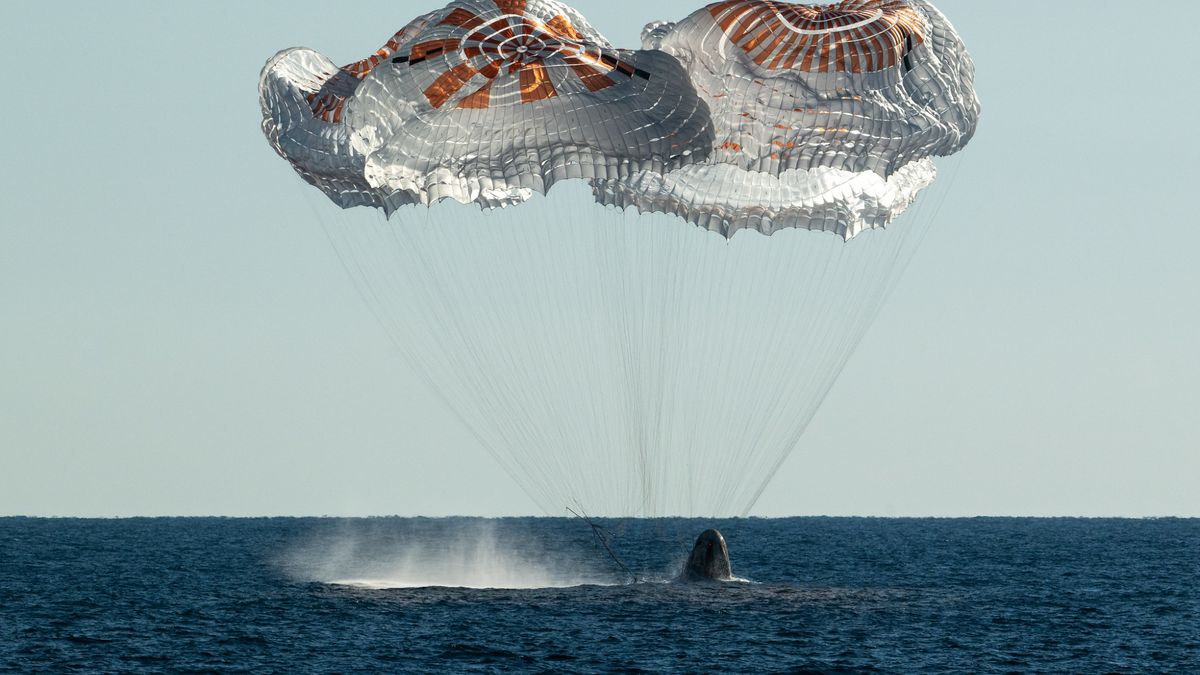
(822, 595)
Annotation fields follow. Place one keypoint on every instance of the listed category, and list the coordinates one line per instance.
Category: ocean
(815, 595)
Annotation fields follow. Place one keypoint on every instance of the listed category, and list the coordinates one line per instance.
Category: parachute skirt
(725, 199)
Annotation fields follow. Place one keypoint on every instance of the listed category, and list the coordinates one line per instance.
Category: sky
(177, 336)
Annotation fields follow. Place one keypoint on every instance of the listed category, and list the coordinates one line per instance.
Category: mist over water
(462, 554)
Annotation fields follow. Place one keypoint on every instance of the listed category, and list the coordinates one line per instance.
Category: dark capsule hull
(709, 560)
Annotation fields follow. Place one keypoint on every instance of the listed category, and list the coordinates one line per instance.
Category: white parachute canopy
(630, 364)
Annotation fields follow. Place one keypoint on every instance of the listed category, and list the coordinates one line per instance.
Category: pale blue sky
(177, 337)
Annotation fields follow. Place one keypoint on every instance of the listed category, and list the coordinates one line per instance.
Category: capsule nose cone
(709, 559)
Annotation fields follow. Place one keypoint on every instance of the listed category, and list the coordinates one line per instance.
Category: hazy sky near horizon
(178, 338)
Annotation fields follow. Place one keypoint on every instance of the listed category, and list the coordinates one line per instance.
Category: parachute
(616, 357)
(825, 117)
(485, 102)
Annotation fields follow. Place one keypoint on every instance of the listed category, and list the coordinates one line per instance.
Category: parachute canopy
(746, 114)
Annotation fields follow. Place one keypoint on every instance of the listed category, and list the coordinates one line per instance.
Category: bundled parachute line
(633, 364)
(603, 538)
